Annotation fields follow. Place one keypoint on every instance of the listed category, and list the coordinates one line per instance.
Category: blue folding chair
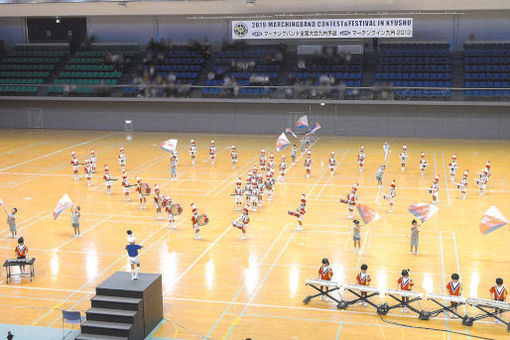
(71, 317)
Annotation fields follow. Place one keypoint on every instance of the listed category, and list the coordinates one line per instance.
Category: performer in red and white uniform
(403, 157)
(498, 293)
(93, 161)
(254, 194)
(238, 193)
(361, 158)
(391, 195)
(452, 167)
(283, 169)
(233, 155)
(125, 186)
(193, 151)
(454, 288)
(325, 274)
(107, 179)
(122, 160)
(76, 165)
(352, 200)
(363, 279)
(301, 211)
(212, 152)
(434, 190)
(167, 204)
(271, 164)
(141, 193)
(242, 222)
(262, 160)
(247, 191)
(269, 182)
(463, 185)
(488, 169)
(482, 181)
(308, 163)
(405, 283)
(88, 172)
(194, 221)
(261, 187)
(158, 201)
(332, 163)
(423, 163)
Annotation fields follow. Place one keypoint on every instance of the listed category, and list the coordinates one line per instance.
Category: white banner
(323, 28)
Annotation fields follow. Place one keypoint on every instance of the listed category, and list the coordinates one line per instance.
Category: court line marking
(339, 330)
(244, 282)
(23, 148)
(86, 231)
(446, 180)
(254, 294)
(336, 168)
(57, 151)
(362, 247)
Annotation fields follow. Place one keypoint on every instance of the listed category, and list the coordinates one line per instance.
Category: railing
(319, 93)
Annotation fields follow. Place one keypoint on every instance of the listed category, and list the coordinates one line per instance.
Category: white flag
(64, 203)
(169, 145)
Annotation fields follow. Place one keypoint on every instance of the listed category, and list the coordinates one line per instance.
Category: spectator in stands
(290, 79)
(147, 59)
(341, 89)
(331, 80)
(301, 64)
(67, 90)
(161, 58)
(323, 80)
(152, 71)
(171, 78)
(211, 75)
(235, 87)
(268, 58)
(278, 58)
(348, 58)
(226, 80)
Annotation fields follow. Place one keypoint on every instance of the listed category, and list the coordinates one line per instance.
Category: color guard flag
(492, 220)
(423, 211)
(64, 203)
(316, 127)
(288, 130)
(367, 214)
(302, 122)
(282, 142)
(169, 145)
(1, 203)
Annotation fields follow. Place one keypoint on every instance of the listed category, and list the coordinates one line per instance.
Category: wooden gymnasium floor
(222, 286)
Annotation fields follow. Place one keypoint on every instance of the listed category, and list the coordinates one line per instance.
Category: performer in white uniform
(107, 179)
(423, 163)
(283, 169)
(386, 148)
(271, 164)
(463, 185)
(194, 221)
(351, 200)
(403, 157)
(262, 160)
(238, 193)
(379, 175)
(125, 186)
(93, 161)
(361, 158)
(233, 155)
(192, 151)
(390, 197)
(482, 181)
(167, 203)
(269, 183)
(122, 160)
(452, 167)
(332, 164)
(434, 190)
(212, 152)
(242, 223)
(76, 165)
(158, 201)
(308, 163)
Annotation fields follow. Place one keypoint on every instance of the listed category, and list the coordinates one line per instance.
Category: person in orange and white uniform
(271, 164)
(107, 179)
(283, 169)
(363, 279)
(423, 163)
(141, 193)
(269, 182)
(76, 165)
(21, 252)
(403, 157)
(434, 190)
(122, 160)
(125, 186)
(193, 151)
(332, 163)
(212, 152)
(167, 204)
(452, 167)
(454, 288)
(238, 194)
(308, 163)
(261, 187)
(325, 274)
(158, 201)
(233, 155)
(482, 181)
(352, 200)
(242, 222)
(391, 195)
(262, 160)
(301, 212)
(93, 161)
(498, 293)
(194, 221)
(88, 172)
(463, 185)
(361, 158)
(405, 283)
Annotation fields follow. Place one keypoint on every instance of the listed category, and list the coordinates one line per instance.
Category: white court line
(55, 152)
(327, 181)
(446, 179)
(22, 148)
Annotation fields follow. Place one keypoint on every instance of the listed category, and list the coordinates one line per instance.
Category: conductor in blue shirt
(132, 249)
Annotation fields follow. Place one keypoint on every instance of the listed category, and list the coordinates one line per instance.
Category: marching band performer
(386, 148)
(361, 158)
(192, 151)
(423, 163)
(158, 201)
(379, 175)
(293, 153)
(301, 211)
(391, 195)
(93, 161)
(403, 157)
(332, 163)
(125, 186)
(454, 288)
(405, 283)
(141, 192)
(482, 181)
(254, 194)
(261, 187)
(363, 279)
(262, 160)
(88, 172)
(488, 169)
(167, 203)
(463, 185)
(283, 169)
(452, 167)
(325, 274)
(271, 164)
(76, 165)
(434, 190)
(498, 293)
(238, 193)
(308, 163)
(351, 200)
(194, 221)
(107, 180)
(212, 152)
(242, 222)
(233, 155)
(122, 160)
(269, 185)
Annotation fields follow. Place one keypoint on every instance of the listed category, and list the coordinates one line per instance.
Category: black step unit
(98, 337)
(112, 315)
(116, 302)
(107, 328)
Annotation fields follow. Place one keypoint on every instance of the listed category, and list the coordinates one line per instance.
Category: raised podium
(124, 308)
